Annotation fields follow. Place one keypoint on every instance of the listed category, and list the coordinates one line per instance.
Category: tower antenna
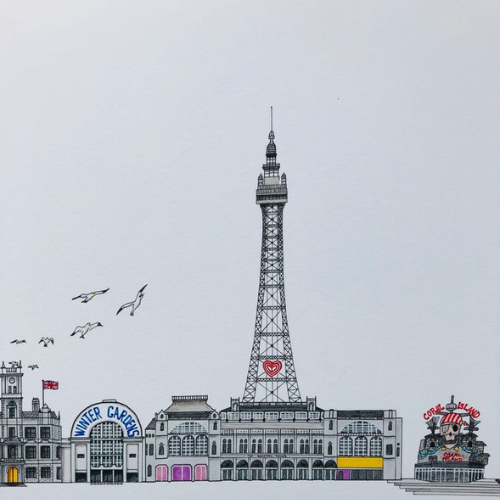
(271, 118)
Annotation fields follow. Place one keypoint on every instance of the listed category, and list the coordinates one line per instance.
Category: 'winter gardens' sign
(107, 411)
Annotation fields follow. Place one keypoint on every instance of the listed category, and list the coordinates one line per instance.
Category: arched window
(304, 446)
(271, 470)
(317, 446)
(259, 446)
(360, 446)
(269, 446)
(242, 470)
(150, 471)
(215, 426)
(12, 409)
(188, 446)
(302, 470)
(345, 446)
(330, 425)
(151, 449)
(201, 445)
(226, 446)
(174, 445)
(214, 448)
(330, 467)
(287, 470)
(243, 446)
(162, 426)
(290, 446)
(254, 446)
(275, 447)
(161, 449)
(330, 448)
(317, 469)
(106, 448)
(390, 426)
(376, 447)
(285, 446)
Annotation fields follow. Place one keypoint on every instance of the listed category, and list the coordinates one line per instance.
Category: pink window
(181, 473)
(200, 473)
(161, 473)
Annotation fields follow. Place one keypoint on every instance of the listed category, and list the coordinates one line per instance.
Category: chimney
(36, 404)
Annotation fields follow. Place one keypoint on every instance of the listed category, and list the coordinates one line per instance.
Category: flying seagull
(32, 366)
(83, 330)
(89, 296)
(16, 341)
(46, 341)
(135, 304)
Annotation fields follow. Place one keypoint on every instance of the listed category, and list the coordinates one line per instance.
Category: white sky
(133, 133)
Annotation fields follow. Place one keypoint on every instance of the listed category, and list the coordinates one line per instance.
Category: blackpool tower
(271, 374)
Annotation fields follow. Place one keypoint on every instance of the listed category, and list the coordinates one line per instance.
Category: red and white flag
(50, 384)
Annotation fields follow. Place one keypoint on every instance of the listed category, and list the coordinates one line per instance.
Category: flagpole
(43, 392)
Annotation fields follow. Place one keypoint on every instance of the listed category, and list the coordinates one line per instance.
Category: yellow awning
(360, 463)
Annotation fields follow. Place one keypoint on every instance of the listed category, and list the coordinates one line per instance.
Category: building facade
(182, 442)
(271, 433)
(106, 446)
(446, 454)
(31, 441)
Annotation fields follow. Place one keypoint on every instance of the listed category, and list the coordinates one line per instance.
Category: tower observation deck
(271, 374)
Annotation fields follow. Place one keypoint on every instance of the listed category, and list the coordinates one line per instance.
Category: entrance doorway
(13, 475)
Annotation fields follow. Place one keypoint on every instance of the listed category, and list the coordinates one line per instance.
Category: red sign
(452, 456)
(469, 409)
(437, 409)
(272, 368)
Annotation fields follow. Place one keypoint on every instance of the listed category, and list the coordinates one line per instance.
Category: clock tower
(12, 400)
(11, 380)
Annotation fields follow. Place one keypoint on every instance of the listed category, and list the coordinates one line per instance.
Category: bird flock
(87, 327)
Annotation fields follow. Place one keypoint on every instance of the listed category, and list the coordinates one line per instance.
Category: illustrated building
(271, 433)
(183, 442)
(31, 441)
(451, 455)
(106, 446)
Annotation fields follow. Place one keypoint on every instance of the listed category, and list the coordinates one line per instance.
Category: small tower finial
(272, 118)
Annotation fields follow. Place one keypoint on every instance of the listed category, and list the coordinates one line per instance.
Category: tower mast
(271, 373)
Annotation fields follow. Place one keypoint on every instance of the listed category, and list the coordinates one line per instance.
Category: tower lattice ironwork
(271, 374)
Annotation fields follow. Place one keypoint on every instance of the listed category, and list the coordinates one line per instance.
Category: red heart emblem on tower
(272, 368)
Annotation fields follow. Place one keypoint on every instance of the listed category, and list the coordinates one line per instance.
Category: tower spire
(271, 373)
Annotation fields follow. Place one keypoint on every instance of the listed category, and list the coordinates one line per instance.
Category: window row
(30, 432)
(270, 445)
(45, 473)
(271, 416)
(187, 446)
(288, 471)
(360, 448)
(30, 452)
(362, 427)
